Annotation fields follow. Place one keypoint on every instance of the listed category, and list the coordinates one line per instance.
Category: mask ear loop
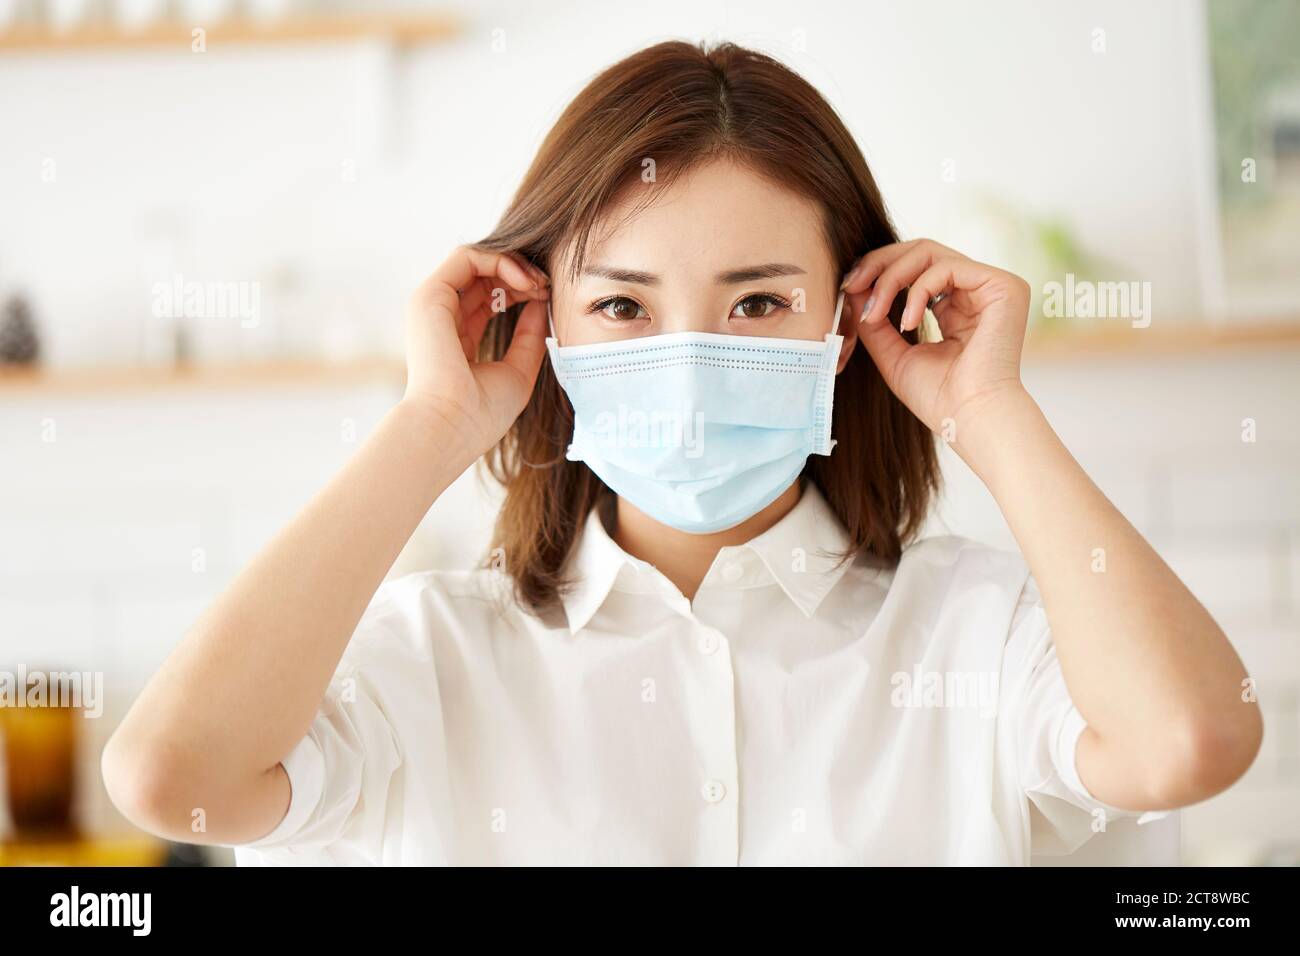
(835, 324)
(562, 456)
(835, 330)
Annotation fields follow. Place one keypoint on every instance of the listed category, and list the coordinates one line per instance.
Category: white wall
(230, 165)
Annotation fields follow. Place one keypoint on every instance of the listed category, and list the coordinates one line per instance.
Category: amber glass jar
(38, 745)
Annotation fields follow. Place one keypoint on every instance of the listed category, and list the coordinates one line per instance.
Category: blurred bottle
(39, 751)
(19, 343)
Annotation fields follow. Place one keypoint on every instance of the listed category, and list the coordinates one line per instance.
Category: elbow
(1206, 757)
(145, 785)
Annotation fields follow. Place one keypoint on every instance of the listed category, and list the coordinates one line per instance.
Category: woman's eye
(757, 306)
(621, 309)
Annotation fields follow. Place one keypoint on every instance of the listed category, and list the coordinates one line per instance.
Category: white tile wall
(99, 527)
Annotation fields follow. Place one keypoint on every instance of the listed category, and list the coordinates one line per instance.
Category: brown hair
(683, 105)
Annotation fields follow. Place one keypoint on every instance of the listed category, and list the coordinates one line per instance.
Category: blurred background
(212, 212)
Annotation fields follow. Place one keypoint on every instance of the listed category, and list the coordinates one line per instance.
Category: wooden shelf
(1105, 342)
(1118, 339)
(58, 382)
(400, 29)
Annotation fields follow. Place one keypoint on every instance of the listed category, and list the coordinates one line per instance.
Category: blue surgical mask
(699, 430)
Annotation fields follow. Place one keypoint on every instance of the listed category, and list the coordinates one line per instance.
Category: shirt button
(708, 643)
(731, 573)
(713, 791)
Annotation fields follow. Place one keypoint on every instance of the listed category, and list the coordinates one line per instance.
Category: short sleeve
(1064, 814)
(339, 772)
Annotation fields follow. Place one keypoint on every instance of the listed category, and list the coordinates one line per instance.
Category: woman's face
(720, 250)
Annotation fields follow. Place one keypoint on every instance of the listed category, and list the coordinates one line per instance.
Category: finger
(898, 276)
(536, 272)
(436, 304)
(541, 281)
(854, 302)
(432, 317)
(491, 296)
(886, 346)
(942, 309)
(878, 260)
(473, 300)
(476, 312)
(485, 299)
(932, 282)
(528, 345)
(467, 264)
(947, 317)
(965, 276)
(875, 262)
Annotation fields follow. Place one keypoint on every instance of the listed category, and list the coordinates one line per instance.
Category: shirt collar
(595, 563)
(800, 552)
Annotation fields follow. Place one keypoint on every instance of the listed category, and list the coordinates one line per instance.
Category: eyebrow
(768, 270)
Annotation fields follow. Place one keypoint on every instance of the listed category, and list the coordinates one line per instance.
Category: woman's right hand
(446, 319)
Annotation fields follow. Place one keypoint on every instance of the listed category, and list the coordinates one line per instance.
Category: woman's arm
(1154, 676)
(1150, 670)
(242, 688)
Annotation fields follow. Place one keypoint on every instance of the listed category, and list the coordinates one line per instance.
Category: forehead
(716, 216)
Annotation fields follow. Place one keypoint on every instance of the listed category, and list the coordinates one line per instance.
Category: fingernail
(866, 309)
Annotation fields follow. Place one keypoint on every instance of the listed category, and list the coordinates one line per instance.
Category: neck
(685, 558)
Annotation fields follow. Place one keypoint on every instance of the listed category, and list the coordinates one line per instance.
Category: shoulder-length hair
(682, 105)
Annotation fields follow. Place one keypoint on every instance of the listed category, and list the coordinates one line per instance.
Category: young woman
(705, 634)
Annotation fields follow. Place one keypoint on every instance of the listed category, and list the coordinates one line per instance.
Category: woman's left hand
(981, 316)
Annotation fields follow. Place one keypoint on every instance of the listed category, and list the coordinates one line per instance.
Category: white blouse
(796, 712)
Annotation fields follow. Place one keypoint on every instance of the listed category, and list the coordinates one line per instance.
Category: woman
(705, 634)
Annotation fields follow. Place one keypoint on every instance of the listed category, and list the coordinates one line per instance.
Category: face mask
(699, 430)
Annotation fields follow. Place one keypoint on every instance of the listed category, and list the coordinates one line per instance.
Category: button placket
(713, 721)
